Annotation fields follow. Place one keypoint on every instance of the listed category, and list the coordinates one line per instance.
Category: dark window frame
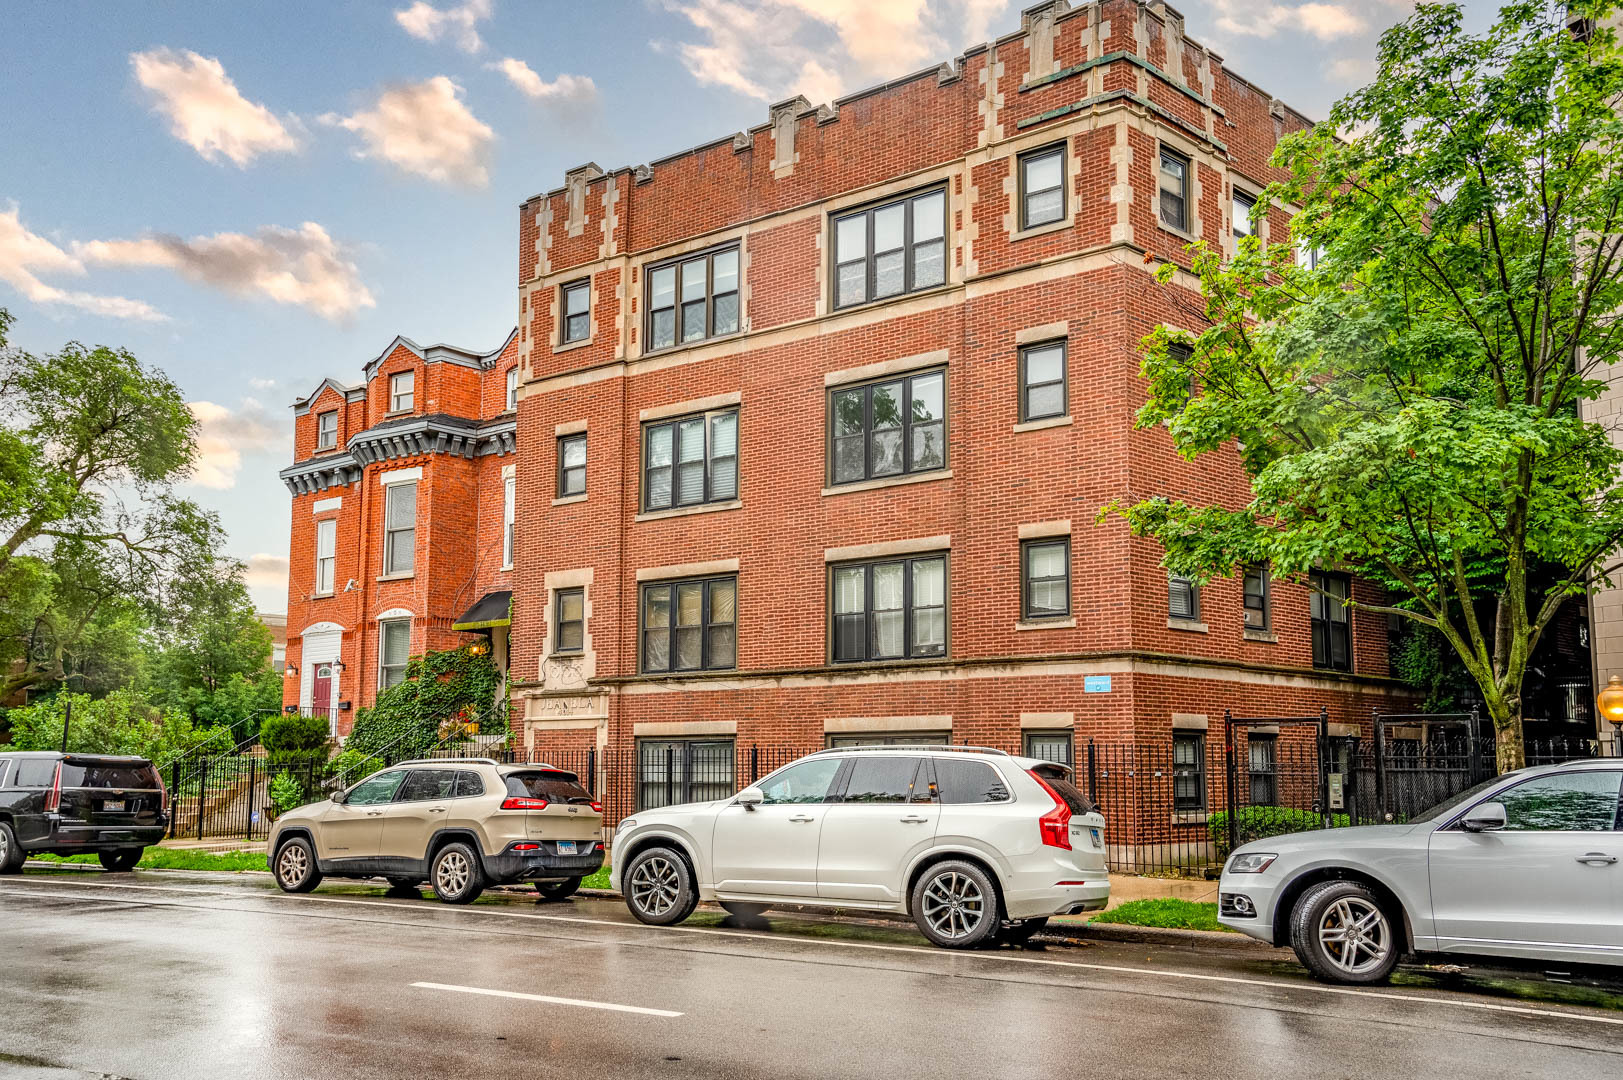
(1183, 804)
(705, 625)
(1175, 581)
(833, 741)
(683, 778)
(1243, 225)
(674, 423)
(906, 378)
(1026, 385)
(908, 609)
(1028, 737)
(870, 257)
(564, 471)
(322, 442)
(1058, 150)
(1026, 580)
(1322, 628)
(710, 296)
(1267, 776)
(565, 336)
(1181, 225)
(559, 622)
(1264, 596)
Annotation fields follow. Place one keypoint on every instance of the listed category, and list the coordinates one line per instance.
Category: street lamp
(1610, 703)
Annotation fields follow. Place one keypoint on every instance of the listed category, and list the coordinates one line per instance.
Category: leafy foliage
(441, 693)
(294, 738)
(1257, 822)
(286, 793)
(120, 723)
(1409, 406)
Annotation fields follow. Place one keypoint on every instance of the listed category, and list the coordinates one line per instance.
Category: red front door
(321, 690)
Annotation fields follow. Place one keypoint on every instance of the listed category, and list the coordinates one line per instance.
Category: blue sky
(254, 196)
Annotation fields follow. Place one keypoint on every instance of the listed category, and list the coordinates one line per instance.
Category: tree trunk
(1510, 751)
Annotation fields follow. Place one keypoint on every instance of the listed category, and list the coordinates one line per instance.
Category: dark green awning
(490, 611)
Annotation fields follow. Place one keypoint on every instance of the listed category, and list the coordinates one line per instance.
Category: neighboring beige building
(277, 625)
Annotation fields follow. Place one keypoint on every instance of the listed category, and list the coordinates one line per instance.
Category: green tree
(120, 723)
(1408, 407)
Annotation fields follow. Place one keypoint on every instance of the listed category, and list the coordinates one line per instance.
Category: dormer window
(327, 430)
(402, 391)
(512, 389)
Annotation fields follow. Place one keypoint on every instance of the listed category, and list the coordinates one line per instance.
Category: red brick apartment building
(403, 495)
(850, 389)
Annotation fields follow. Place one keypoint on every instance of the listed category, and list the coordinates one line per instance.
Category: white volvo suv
(976, 844)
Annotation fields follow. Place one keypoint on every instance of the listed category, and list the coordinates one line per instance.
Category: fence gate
(1287, 781)
(1416, 773)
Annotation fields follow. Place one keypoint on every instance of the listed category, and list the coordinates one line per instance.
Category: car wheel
(955, 905)
(11, 855)
(296, 869)
(1343, 934)
(120, 862)
(457, 877)
(659, 887)
(1018, 933)
(557, 890)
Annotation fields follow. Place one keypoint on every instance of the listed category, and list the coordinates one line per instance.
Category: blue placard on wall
(1096, 684)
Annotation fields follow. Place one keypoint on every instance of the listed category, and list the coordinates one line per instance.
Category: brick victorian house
(816, 421)
(401, 540)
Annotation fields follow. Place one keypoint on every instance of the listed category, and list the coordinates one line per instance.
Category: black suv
(79, 804)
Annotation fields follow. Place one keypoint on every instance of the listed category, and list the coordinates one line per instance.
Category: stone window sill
(1189, 817)
(1046, 624)
(1043, 424)
(1267, 636)
(889, 481)
(1041, 230)
(565, 500)
(396, 577)
(1175, 231)
(684, 511)
(398, 412)
(1187, 625)
(571, 346)
(664, 350)
(321, 596)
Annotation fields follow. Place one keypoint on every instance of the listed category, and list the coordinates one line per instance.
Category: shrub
(286, 793)
(351, 767)
(294, 738)
(1257, 822)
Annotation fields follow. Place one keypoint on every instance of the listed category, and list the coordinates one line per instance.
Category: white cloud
(304, 266)
(424, 128)
(224, 435)
(426, 22)
(1329, 21)
(771, 49)
(25, 254)
(1325, 21)
(565, 89)
(262, 384)
(267, 571)
(205, 109)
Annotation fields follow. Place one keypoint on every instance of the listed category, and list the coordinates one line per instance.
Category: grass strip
(1166, 913)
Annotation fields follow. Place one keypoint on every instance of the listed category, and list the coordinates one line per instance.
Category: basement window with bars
(894, 248)
(671, 771)
(400, 530)
(894, 609)
(1183, 599)
(692, 298)
(889, 427)
(575, 311)
(1049, 746)
(690, 461)
(690, 625)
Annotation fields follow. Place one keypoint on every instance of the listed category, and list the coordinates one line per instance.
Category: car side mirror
(750, 798)
(339, 798)
(1484, 817)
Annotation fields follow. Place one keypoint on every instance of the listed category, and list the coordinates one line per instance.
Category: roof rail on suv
(450, 761)
(932, 747)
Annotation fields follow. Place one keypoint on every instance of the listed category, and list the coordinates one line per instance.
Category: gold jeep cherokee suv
(460, 824)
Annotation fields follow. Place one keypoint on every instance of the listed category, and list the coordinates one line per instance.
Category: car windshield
(1448, 806)
(553, 786)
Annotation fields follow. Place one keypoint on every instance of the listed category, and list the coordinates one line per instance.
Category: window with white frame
(1243, 205)
(326, 550)
(512, 389)
(327, 430)
(1308, 254)
(400, 529)
(509, 495)
(402, 391)
(394, 649)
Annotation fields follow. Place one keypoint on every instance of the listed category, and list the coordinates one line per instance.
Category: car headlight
(625, 823)
(1252, 862)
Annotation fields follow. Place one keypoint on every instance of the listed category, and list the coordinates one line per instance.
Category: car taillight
(163, 794)
(517, 803)
(597, 808)
(1054, 826)
(526, 847)
(53, 798)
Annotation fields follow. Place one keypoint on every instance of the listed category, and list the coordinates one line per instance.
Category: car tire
(955, 905)
(659, 887)
(456, 876)
(120, 862)
(1343, 933)
(743, 912)
(295, 868)
(558, 890)
(1018, 933)
(11, 853)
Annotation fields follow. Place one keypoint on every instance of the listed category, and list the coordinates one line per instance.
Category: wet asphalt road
(175, 976)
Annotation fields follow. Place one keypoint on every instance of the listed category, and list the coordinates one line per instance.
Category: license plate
(566, 847)
(113, 806)
(1097, 838)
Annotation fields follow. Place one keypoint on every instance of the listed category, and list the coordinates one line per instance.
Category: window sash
(394, 649)
(1030, 389)
(512, 388)
(715, 460)
(1188, 772)
(400, 529)
(710, 639)
(1032, 585)
(911, 432)
(509, 498)
(402, 391)
(693, 318)
(571, 465)
(1329, 621)
(859, 636)
(1183, 598)
(869, 258)
(569, 620)
(1256, 589)
(575, 312)
(326, 548)
(1241, 209)
(1028, 194)
(1174, 183)
(327, 430)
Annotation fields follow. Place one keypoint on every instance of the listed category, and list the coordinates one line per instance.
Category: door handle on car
(1598, 857)
(802, 818)
(436, 809)
(374, 813)
(914, 819)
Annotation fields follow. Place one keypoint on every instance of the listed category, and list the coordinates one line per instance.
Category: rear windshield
(1070, 795)
(109, 776)
(559, 787)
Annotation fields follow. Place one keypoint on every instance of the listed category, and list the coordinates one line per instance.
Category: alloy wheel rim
(1355, 935)
(954, 905)
(453, 874)
(292, 864)
(655, 885)
(5, 847)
